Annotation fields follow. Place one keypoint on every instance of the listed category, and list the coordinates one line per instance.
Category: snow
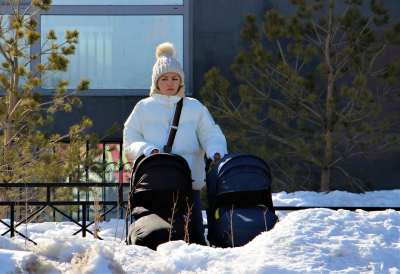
(385, 198)
(305, 241)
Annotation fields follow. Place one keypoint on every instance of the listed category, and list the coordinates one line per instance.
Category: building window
(114, 51)
(117, 42)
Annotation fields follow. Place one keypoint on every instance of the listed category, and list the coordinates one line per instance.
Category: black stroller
(240, 200)
(161, 190)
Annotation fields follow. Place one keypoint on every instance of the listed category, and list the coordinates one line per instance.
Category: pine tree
(27, 152)
(316, 101)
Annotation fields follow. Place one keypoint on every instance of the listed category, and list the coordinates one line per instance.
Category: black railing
(119, 203)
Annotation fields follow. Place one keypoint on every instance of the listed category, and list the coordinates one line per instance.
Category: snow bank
(14, 260)
(304, 241)
(385, 198)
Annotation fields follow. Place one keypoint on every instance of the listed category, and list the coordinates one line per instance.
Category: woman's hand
(154, 151)
(217, 157)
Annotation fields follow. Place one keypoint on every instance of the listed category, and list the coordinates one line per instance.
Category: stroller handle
(208, 163)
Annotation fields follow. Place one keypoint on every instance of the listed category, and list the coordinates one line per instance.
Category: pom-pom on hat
(166, 62)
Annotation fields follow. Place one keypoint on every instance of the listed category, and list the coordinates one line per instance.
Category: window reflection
(117, 163)
(114, 52)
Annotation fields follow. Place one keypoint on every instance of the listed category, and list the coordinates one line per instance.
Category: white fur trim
(167, 48)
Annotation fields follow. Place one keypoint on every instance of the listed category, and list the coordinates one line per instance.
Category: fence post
(48, 194)
(83, 220)
(12, 221)
(79, 199)
(120, 200)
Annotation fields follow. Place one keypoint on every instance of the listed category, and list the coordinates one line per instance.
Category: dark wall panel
(216, 33)
(103, 111)
(216, 28)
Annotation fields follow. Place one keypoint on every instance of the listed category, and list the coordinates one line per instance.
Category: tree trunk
(9, 125)
(326, 171)
(325, 179)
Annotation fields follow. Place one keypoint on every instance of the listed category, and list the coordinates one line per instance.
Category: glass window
(117, 2)
(114, 51)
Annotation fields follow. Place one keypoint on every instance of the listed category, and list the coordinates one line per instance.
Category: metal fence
(115, 174)
(120, 203)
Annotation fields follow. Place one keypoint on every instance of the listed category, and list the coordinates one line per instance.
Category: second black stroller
(240, 200)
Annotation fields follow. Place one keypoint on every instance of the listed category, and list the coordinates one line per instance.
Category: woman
(147, 128)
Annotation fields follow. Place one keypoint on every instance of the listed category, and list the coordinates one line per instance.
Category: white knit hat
(166, 62)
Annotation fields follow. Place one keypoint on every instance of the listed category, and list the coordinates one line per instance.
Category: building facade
(117, 52)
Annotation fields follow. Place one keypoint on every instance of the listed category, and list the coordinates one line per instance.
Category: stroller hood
(161, 171)
(238, 173)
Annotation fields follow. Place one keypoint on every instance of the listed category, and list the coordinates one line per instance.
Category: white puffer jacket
(150, 122)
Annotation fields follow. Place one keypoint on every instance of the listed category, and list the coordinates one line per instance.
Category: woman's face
(169, 83)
